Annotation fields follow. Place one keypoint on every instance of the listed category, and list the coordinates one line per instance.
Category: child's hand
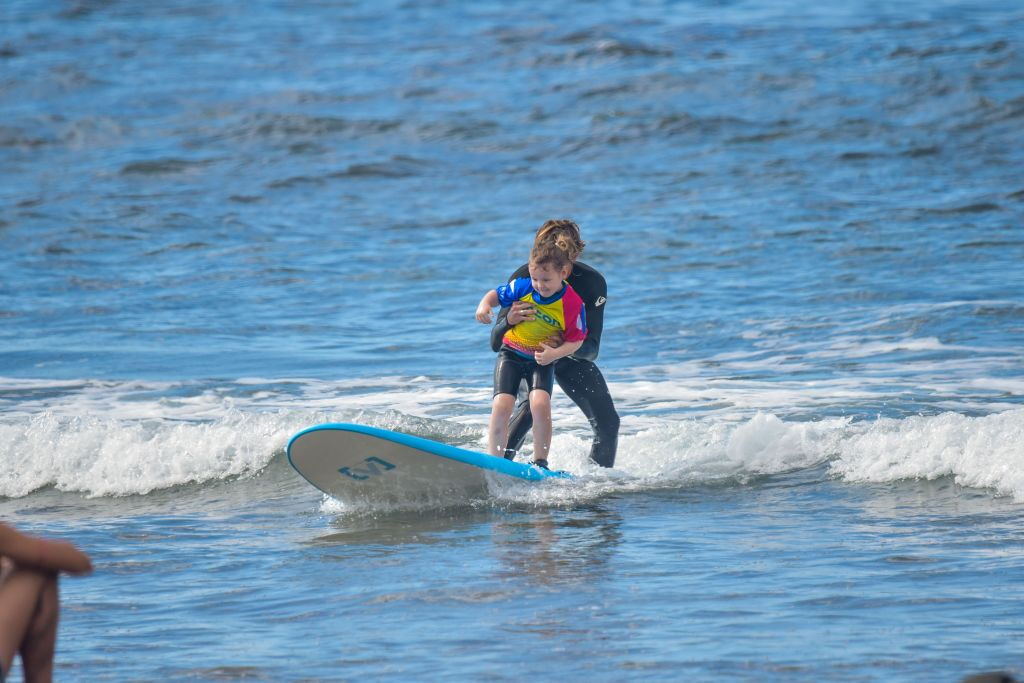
(546, 355)
(483, 313)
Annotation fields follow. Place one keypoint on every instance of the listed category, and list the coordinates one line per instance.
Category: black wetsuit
(577, 375)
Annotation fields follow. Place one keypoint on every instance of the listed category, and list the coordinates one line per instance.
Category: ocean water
(222, 222)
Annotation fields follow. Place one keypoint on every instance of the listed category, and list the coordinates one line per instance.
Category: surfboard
(351, 461)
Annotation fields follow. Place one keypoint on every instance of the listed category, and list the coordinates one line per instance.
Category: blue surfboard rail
(481, 460)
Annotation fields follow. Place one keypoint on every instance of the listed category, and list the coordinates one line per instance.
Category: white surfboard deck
(350, 461)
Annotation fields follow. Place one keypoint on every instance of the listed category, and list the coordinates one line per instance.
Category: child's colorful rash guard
(562, 313)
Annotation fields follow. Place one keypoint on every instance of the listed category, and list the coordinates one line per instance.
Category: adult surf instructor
(577, 375)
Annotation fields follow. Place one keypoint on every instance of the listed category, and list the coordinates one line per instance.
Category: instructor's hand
(520, 312)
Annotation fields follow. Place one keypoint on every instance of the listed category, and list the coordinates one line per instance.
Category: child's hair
(562, 233)
(553, 253)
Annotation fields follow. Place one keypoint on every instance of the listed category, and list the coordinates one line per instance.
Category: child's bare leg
(540, 409)
(497, 430)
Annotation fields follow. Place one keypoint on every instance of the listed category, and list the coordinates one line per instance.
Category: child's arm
(549, 354)
(483, 309)
(42, 553)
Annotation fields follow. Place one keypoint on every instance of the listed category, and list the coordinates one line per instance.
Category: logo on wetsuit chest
(368, 469)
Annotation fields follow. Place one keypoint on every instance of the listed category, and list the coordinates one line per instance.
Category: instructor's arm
(593, 308)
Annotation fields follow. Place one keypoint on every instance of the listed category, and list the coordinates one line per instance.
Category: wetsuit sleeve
(594, 295)
(501, 324)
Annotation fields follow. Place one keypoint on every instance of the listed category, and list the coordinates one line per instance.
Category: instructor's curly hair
(562, 233)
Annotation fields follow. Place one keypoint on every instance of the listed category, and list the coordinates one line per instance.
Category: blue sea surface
(222, 223)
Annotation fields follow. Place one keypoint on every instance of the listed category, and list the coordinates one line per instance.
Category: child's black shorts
(510, 369)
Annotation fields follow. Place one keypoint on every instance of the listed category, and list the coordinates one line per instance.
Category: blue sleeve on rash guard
(514, 291)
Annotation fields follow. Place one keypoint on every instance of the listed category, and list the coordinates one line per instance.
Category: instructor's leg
(583, 382)
(519, 427)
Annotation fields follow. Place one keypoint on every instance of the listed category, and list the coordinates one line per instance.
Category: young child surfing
(529, 349)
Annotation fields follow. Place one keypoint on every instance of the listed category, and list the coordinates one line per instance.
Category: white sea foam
(986, 452)
(112, 439)
(104, 457)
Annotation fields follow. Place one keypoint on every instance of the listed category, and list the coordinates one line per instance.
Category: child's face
(547, 279)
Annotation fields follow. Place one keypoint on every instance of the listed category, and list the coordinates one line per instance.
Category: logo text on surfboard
(368, 469)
